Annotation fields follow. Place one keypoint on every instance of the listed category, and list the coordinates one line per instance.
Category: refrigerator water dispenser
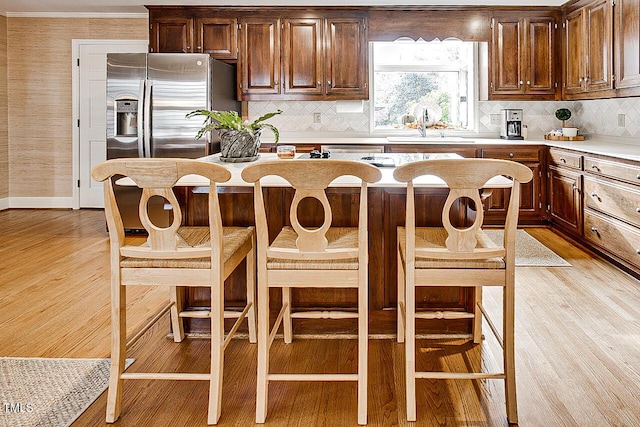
(127, 117)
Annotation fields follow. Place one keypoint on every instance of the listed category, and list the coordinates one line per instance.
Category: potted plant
(239, 140)
(564, 114)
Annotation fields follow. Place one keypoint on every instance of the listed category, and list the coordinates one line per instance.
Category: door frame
(75, 96)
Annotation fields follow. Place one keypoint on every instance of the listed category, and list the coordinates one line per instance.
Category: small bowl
(570, 132)
(286, 151)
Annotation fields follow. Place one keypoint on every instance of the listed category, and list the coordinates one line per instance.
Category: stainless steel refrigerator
(148, 97)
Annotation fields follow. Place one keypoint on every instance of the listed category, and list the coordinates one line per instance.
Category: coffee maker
(511, 124)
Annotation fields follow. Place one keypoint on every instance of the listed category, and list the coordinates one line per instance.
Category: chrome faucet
(423, 123)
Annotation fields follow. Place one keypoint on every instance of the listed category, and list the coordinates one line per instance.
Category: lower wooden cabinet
(616, 238)
(532, 193)
(565, 199)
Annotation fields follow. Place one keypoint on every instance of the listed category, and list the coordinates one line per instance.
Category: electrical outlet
(317, 117)
(621, 120)
(495, 119)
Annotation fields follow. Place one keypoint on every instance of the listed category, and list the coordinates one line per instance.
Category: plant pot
(238, 146)
(570, 132)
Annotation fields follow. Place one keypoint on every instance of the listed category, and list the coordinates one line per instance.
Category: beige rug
(529, 251)
(39, 392)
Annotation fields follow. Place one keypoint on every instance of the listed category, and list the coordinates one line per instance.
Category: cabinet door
(302, 56)
(540, 64)
(218, 37)
(172, 35)
(346, 58)
(598, 23)
(507, 43)
(627, 25)
(260, 57)
(574, 67)
(565, 199)
(531, 211)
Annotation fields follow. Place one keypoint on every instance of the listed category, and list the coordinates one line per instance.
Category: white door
(92, 108)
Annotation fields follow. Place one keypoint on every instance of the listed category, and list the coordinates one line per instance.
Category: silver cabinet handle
(575, 187)
(319, 83)
(199, 47)
(638, 251)
(594, 229)
(563, 160)
(529, 82)
(511, 155)
(595, 167)
(638, 176)
(329, 83)
(595, 195)
(638, 210)
(580, 79)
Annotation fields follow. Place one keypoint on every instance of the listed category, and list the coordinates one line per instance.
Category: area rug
(39, 392)
(529, 251)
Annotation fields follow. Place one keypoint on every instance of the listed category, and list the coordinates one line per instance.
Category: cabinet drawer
(616, 237)
(516, 154)
(623, 171)
(565, 159)
(615, 199)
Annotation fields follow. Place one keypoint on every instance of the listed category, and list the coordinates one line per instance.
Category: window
(411, 77)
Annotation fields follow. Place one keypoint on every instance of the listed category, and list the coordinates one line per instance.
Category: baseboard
(4, 203)
(41, 202)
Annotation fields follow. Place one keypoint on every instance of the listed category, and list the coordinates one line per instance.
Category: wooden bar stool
(174, 257)
(459, 257)
(299, 257)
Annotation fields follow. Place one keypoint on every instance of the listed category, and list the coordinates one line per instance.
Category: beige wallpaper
(4, 135)
(39, 97)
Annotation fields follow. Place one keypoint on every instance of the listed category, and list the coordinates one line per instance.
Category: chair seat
(338, 238)
(434, 237)
(195, 237)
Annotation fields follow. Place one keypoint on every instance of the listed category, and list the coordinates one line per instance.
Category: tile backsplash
(598, 116)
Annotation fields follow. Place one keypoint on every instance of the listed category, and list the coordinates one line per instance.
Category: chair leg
(217, 352)
(410, 348)
(286, 319)
(477, 316)
(401, 300)
(263, 351)
(363, 345)
(251, 293)
(118, 349)
(177, 325)
(509, 353)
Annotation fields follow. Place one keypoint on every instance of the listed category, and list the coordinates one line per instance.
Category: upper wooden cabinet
(171, 35)
(318, 58)
(183, 32)
(627, 47)
(523, 50)
(588, 45)
(259, 64)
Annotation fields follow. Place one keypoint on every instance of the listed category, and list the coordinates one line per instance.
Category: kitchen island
(386, 212)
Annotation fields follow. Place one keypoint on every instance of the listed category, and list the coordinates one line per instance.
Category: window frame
(472, 95)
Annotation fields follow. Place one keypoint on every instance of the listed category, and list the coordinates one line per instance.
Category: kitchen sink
(431, 139)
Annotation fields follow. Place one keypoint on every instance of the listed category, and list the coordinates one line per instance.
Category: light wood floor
(577, 343)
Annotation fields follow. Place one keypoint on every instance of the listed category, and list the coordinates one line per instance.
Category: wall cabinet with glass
(523, 52)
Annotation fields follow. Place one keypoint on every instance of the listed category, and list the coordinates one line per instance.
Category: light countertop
(629, 149)
(387, 180)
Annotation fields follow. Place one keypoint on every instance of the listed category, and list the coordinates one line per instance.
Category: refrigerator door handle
(147, 118)
(141, 103)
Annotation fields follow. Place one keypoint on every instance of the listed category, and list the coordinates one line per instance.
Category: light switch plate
(317, 117)
(495, 119)
(621, 120)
